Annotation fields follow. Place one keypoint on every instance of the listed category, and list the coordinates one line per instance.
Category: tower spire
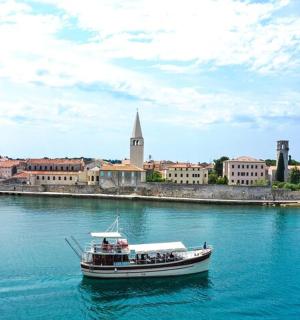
(137, 130)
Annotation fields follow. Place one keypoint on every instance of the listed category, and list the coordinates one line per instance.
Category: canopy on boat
(106, 234)
(157, 247)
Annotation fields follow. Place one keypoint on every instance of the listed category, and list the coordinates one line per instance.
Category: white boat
(110, 256)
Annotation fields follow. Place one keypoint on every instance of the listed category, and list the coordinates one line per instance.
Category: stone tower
(137, 144)
(283, 147)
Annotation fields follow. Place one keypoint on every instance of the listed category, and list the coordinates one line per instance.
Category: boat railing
(106, 248)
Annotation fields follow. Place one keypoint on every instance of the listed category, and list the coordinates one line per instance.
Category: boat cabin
(111, 249)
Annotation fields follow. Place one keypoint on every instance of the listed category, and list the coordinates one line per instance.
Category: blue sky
(209, 78)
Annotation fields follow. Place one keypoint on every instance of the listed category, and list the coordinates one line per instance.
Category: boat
(109, 255)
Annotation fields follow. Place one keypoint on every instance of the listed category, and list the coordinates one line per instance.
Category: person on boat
(204, 246)
(105, 244)
(171, 256)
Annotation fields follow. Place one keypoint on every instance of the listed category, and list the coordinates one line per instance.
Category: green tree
(218, 167)
(222, 180)
(212, 177)
(154, 176)
(295, 176)
(270, 162)
(280, 169)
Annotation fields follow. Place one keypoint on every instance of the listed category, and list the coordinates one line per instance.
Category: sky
(209, 77)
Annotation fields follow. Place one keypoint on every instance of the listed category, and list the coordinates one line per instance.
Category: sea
(254, 271)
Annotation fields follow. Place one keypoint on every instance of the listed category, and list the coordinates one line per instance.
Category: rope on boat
(78, 245)
(76, 252)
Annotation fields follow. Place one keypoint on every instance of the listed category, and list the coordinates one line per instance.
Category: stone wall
(170, 190)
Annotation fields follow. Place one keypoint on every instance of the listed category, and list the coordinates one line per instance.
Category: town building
(56, 177)
(137, 144)
(244, 170)
(187, 173)
(272, 171)
(121, 175)
(46, 164)
(10, 167)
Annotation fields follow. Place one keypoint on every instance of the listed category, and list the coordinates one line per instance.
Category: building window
(193, 181)
(251, 174)
(70, 178)
(175, 181)
(247, 174)
(255, 174)
(247, 166)
(187, 181)
(93, 178)
(67, 168)
(242, 182)
(175, 174)
(256, 167)
(232, 181)
(169, 175)
(232, 173)
(242, 166)
(43, 178)
(232, 166)
(262, 166)
(29, 167)
(56, 168)
(239, 166)
(59, 178)
(239, 173)
(97, 178)
(48, 178)
(205, 175)
(50, 168)
(65, 178)
(238, 182)
(40, 167)
(38, 178)
(247, 182)
(252, 166)
(181, 181)
(46, 168)
(187, 175)
(62, 168)
(261, 174)
(181, 175)
(72, 168)
(53, 178)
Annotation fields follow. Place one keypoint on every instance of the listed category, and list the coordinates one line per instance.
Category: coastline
(136, 197)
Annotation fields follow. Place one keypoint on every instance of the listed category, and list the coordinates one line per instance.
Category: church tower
(137, 144)
(283, 147)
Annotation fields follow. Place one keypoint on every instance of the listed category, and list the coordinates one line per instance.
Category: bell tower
(137, 144)
(283, 147)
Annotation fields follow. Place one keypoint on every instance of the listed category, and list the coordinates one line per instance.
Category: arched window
(92, 178)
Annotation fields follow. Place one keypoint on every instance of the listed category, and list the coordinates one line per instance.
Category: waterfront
(254, 272)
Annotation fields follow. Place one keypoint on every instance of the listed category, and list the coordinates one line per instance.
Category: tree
(154, 176)
(270, 162)
(219, 165)
(222, 180)
(212, 177)
(280, 169)
(295, 176)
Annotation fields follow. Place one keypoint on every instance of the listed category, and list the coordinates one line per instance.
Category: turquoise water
(255, 269)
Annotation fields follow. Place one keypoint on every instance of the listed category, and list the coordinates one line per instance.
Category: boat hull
(188, 266)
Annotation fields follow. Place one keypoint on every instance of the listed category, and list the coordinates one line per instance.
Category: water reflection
(105, 297)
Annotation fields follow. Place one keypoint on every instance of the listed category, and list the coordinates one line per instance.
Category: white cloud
(222, 32)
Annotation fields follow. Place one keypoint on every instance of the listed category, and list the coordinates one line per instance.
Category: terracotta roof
(57, 173)
(21, 175)
(121, 167)
(245, 159)
(186, 165)
(54, 161)
(9, 163)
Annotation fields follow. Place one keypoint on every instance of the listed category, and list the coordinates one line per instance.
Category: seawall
(165, 192)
